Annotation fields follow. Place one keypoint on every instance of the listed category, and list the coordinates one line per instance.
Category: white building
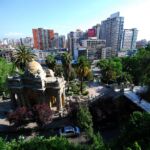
(122, 53)
(93, 43)
(93, 46)
(111, 30)
(42, 54)
(129, 39)
(107, 52)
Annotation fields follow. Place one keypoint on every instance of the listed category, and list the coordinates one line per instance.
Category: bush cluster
(41, 113)
(136, 133)
(40, 143)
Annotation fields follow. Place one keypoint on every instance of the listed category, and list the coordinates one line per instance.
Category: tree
(84, 118)
(83, 70)
(111, 69)
(40, 143)
(41, 113)
(66, 62)
(58, 70)
(138, 66)
(144, 64)
(5, 70)
(85, 122)
(124, 78)
(51, 62)
(136, 130)
(23, 56)
(131, 66)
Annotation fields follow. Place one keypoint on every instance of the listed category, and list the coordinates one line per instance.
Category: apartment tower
(42, 38)
(129, 39)
(111, 30)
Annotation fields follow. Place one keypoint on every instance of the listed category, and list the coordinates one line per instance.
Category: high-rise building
(27, 41)
(94, 47)
(75, 41)
(111, 30)
(91, 32)
(62, 42)
(97, 29)
(129, 39)
(106, 53)
(42, 38)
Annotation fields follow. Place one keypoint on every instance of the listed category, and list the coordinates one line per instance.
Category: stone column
(64, 93)
(59, 102)
(13, 100)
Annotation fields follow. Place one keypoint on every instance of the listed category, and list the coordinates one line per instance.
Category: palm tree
(83, 70)
(23, 56)
(66, 62)
(51, 62)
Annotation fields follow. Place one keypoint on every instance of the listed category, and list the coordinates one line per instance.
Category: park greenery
(66, 63)
(22, 56)
(6, 69)
(83, 70)
(134, 69)
(51, 62)
(39, 113)
(134, 136)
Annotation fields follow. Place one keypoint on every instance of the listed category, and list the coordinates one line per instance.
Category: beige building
(107, 52)
(37, 86)
(93, 47)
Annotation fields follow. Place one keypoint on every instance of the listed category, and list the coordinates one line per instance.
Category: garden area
(134, 135)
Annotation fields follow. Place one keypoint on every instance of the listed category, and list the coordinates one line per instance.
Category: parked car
(69, 131)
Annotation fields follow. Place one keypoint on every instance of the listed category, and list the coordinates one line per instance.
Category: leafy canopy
(22, 56)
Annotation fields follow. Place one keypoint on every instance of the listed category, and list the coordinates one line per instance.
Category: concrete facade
(129, 39)
(111, 30)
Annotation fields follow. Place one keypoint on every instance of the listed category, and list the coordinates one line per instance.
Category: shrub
(75, 88)
(136, 130)
(20, 116)
(85, 93)
(42, 113)
(97, 142)
(85, 120)
(40, 143)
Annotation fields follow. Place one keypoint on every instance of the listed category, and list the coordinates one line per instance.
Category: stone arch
(16, 97)
(62, 99)
(53, 101)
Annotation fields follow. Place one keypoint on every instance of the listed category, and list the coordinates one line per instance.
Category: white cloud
(14, 34)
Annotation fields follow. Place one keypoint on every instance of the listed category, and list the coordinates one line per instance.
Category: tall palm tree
(66, 62)
(51, 62)
(83, 70)
(23, 56)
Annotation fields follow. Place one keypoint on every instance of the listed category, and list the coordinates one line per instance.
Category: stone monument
(37, 85)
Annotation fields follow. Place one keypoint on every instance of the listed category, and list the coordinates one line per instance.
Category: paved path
(94, 90)
(136, 99)
(97, 91)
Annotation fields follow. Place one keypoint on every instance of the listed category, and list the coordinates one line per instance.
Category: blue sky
(18, 17)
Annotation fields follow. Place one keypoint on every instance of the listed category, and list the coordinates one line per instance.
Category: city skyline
(19, 17)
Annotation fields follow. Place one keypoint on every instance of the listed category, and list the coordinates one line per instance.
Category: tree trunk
(68, 84)
(81, 85)
(68, 78)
